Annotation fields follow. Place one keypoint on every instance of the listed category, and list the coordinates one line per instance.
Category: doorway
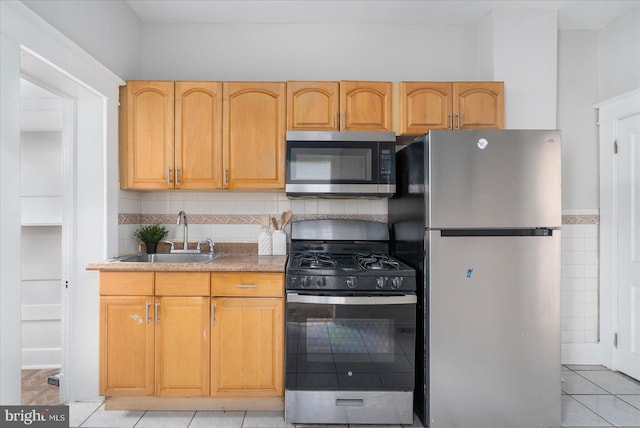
(619, 122)
(627, 207)
(41, 219)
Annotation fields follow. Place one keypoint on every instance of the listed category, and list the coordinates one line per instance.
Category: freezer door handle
(496, 232)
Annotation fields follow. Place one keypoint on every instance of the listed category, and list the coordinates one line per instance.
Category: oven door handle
(406, 299)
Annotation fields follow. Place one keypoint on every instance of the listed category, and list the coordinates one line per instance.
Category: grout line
(91, 414)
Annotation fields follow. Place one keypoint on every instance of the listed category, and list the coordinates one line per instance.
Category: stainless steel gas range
(350, 326)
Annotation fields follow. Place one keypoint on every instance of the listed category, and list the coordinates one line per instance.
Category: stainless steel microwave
(335, 164)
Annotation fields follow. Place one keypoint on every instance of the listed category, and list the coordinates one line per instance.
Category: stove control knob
(321, 281)
(305, 281)
(380, 282)
(352, 282)
(396, 282)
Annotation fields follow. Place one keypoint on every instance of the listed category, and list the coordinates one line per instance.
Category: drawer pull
(246, 285)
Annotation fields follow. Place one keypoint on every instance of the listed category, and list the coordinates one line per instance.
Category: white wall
(108, 30)
(619, 56)
(308, 52)
(525, 58)
(577, 95)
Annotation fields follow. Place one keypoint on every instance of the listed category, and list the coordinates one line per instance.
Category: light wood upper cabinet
(425, 106)
(182, 346)
(428, 106)
(346, 105)
(313, 105)
(198, 135)
(171, 135)
(479, 105)
(254, 134)
(146, 134)
(365, 106)
(126, 345)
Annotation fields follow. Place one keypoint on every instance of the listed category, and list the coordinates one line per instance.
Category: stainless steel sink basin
(169, 258)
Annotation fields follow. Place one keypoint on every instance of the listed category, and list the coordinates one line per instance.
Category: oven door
(363, 343)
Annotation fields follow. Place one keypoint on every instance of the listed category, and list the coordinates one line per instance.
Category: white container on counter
(279, 240)
(264, 243)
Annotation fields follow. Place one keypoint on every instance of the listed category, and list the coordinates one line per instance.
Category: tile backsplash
(228, 216)
(580, 276)
(235, 217)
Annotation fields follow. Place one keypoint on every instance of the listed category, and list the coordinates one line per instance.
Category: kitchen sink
(168, 258)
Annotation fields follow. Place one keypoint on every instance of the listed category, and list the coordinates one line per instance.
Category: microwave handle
(406, 299)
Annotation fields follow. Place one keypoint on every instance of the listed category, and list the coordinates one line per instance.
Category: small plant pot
(151, 247)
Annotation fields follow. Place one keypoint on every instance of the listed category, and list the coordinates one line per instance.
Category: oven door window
(350, 347)
(332, 165)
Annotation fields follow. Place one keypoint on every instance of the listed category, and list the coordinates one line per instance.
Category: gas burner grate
(316, 260)
(375, 261)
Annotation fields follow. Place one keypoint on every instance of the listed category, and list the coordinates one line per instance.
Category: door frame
(609, 113)
(95, 206)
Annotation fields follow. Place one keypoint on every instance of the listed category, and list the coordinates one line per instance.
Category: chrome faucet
(183, 215)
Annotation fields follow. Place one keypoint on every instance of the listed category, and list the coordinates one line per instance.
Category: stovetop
(358, 271)
(345, 256)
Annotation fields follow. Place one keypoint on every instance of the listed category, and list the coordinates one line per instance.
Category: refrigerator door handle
(447, 233)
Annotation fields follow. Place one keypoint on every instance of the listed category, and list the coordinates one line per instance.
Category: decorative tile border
(255, 218)
(235, 218)
(580, 219)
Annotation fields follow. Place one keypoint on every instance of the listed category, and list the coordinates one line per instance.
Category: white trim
(609, 112)
(581, 353)
(27, 37)
(35, 34)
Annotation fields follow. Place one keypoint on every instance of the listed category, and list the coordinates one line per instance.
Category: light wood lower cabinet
(247, 340)
(247, 347)
(126, 346)
(182, 346)
(191, 334)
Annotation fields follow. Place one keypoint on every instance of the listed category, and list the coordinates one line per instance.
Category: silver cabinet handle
(157, 310)
(225, 176)
(177, 176)
(213, 313)
(246, 285)
(146, 311)
(451, 120)
(169, 176)
(458, 117)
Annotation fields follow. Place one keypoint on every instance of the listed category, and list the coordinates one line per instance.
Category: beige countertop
(247, 261)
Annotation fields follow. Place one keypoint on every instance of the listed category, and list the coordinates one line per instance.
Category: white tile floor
(592, 396)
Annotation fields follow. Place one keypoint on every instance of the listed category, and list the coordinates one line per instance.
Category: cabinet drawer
(126, 283)
(259, 284)
(182, 283)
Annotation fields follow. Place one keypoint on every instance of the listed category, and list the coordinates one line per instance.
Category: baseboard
(581, 353)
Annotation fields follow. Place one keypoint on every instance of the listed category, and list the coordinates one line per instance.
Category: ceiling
(572, 14)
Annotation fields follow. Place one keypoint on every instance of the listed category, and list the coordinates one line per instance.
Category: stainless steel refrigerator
(478, 215)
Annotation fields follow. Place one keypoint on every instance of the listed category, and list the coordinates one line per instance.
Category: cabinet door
(198, 135)
(365, 106)
(182, 346)
(425, 106)
(126, 345)
(254, 134)
(146, 135)
(478, 105)
(313, 106)
(247, 347)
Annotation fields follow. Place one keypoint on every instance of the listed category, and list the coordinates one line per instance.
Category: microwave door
(335, 169)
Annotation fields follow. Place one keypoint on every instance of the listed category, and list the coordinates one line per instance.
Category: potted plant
(151, 234)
